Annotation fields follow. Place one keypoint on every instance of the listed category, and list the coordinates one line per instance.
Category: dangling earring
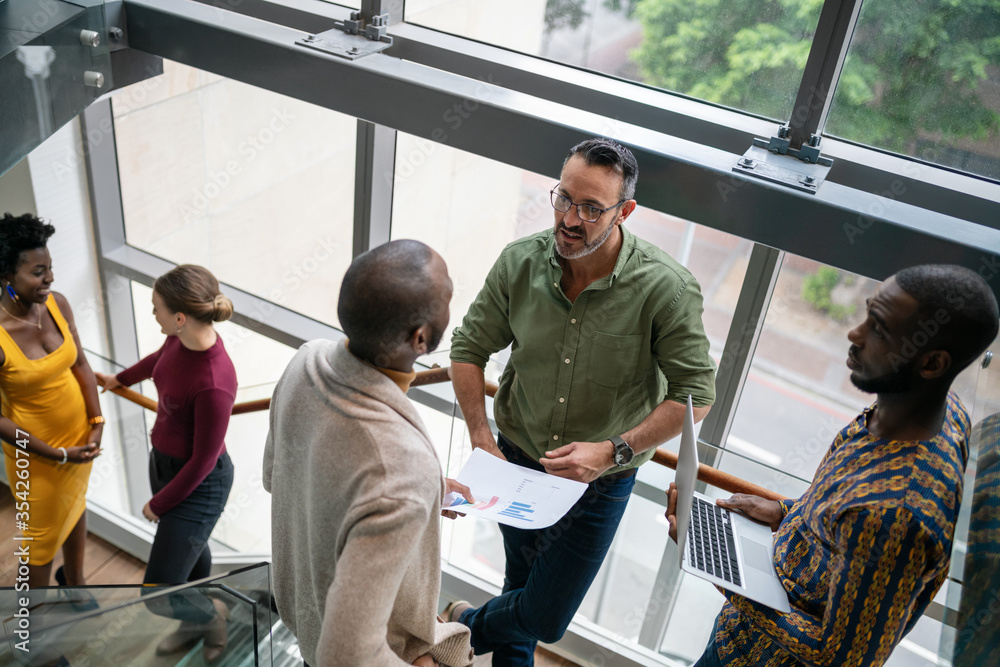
(13, 295)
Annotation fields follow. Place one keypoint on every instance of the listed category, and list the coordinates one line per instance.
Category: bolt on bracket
(759, 162)
(353, 38)
(780, 145)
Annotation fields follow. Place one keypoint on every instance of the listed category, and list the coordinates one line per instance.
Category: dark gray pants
(180, 550)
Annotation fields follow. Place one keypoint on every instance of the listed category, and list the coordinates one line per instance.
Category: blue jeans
(548, 571)
(180, 550)
(710, 658)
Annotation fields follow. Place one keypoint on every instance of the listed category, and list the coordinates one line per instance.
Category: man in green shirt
(606, 344)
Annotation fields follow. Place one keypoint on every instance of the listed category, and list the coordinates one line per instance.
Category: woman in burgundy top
(189, 470)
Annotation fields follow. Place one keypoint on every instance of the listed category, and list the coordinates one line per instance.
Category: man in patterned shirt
(863, 552)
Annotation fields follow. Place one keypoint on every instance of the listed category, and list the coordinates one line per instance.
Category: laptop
(719, 546)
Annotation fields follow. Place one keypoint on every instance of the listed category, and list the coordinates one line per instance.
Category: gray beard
(587, 248)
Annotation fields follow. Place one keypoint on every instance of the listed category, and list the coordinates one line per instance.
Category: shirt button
(573, 321)
(555, 437)
(566, 360)
(562, 400)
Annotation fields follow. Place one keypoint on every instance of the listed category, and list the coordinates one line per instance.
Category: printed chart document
(512, 495)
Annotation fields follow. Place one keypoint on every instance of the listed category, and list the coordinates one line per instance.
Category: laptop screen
(686, 476)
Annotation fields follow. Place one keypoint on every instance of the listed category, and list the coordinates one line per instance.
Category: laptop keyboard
(711, 547)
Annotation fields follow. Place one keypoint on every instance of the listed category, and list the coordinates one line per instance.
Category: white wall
(59, 181)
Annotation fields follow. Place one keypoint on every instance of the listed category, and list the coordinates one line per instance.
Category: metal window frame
(901, 178)
(737, 355)
(831, 41)
(373, 185)
(526, 112)
(839, 225)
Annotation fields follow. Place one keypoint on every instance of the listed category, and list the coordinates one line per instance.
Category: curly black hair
(19, 233)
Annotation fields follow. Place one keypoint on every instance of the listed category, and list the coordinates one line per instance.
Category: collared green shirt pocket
(614, 359)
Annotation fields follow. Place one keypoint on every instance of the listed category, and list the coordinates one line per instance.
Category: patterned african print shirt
(861, 554)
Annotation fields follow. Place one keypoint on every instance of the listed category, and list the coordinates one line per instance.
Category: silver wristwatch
(622, 454)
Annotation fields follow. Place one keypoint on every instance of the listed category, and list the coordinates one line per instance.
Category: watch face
(623, 454)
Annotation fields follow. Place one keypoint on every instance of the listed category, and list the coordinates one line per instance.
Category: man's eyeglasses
(586, 212)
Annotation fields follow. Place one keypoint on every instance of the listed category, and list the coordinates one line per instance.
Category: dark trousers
(548, 571)
(180, 550)
(710, 658)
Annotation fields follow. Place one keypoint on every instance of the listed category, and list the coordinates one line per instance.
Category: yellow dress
(42, 397)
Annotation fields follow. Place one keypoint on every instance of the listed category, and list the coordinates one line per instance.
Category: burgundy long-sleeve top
(196, 390)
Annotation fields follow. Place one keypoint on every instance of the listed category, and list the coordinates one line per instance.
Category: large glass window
(255, 186)
(923, 79)
(799, 378)
(745, 55)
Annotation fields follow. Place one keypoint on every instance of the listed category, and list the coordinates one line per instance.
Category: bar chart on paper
(520, 511)
(513, 495)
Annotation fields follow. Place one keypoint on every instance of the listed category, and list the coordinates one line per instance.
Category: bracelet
(94, 421)
(65, 456)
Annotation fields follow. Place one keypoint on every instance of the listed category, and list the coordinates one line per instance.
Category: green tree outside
(914, 68)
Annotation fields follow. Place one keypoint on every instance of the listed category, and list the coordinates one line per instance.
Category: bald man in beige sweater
(355, 480)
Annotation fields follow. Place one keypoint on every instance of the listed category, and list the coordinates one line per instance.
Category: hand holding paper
(455, 489)
(512, 495)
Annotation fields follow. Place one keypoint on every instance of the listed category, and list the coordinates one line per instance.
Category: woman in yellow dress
(50, 417)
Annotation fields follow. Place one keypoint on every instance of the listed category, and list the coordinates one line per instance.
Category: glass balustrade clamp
(361, 35)
(775, 160)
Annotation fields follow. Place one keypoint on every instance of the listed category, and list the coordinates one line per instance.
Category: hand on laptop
(767, 512)
(671, 513)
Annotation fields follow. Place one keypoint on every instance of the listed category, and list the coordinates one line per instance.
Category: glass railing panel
(124, 430)
(108, 625)
(974, 583)
(471, 544)
(245, 525)
(54, 61)
(620, 595)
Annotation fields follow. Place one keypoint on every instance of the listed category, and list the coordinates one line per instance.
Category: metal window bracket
(781, 144)
(353, 38)
(774, 160)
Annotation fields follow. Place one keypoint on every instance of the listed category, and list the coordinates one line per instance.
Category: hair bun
(222, 308)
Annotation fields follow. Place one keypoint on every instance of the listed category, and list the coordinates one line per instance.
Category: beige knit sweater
(355, 516)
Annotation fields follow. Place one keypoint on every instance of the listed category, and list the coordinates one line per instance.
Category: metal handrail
(706, 473)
